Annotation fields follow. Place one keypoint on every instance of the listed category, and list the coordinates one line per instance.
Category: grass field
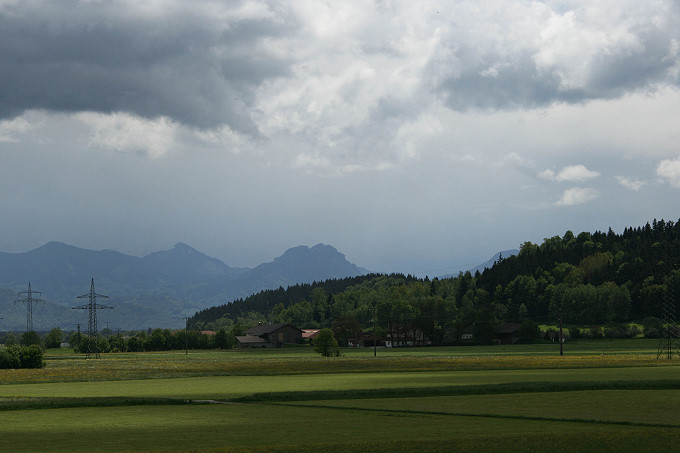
(601, 396)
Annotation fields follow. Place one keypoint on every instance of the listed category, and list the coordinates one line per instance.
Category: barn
(270, 336)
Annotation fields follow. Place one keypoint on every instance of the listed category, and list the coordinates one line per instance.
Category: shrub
(31, 357)
(614, 331)
(595, 333)
(9, 357)
(651, 327)
(13, 357)
(633, 331)
(529, 330)
(575, 333)
(30, 338)
(326, 344)
(652, 332)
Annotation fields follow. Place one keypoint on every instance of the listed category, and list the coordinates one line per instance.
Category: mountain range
(157, 290)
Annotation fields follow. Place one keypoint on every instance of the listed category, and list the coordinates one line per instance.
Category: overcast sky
(418, 137)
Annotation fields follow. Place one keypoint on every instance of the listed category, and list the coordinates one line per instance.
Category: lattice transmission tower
(92, 306)
(669, 343)
(29, 300)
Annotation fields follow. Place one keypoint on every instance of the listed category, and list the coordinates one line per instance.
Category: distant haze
(158, 290)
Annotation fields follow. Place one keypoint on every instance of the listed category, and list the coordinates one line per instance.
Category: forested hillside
(591, 278)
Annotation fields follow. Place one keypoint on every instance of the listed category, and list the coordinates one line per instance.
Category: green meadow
(601, 396)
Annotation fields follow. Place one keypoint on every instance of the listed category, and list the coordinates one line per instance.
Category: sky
(415, 137)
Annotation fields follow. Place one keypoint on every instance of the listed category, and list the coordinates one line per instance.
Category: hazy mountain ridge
(157, 290)
(488, 264)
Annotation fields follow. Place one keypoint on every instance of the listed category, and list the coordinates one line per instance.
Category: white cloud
(577, 195)
(632, 184)
(13, 130)
(669, 170)
(572, 173)
(547, 174)
(129, 133)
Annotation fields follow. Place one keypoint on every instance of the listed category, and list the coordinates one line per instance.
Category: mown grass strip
(13, 404)
(615, 441)
(486, 415)
(485, 389)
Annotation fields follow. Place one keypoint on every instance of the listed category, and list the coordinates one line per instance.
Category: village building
(270, 336)
(398, 336)
(508, 333)
(365, 340)
(310, 334)
(466, 335)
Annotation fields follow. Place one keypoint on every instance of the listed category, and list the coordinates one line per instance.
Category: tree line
(586, 279)
(131, 341)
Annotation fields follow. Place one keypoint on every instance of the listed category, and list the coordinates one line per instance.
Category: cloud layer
(323, 70)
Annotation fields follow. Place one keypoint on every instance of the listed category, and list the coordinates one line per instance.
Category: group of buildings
(275, 335)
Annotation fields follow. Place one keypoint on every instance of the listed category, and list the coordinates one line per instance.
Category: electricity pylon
(29, 300)
(669, 343)
(92, 306)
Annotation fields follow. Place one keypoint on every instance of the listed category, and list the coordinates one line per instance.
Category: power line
(669, 342)
(29, 300)
(92, 306)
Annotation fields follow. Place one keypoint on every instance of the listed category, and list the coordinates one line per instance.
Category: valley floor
(420, 400)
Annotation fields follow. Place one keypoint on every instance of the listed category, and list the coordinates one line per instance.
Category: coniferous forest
(600, 278)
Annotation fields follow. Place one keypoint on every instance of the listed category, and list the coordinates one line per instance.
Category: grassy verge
(13, 404)
(643, 441)
(419, 392)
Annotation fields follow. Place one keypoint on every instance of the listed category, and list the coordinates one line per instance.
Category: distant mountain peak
(325, 248)
(55, 245)
(307, 264)
(184, 248)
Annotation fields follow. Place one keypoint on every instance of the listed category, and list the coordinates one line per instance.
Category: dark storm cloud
(104, 57)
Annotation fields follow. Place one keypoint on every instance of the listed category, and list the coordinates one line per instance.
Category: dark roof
(250, 339)
(509, 327)
(268, 328)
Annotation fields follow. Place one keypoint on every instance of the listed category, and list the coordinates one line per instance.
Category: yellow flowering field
(169, 365)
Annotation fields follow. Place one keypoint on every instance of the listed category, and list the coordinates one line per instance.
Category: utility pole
(29, 300)
(560, 338)
(186, 336)
(375, 337)
(92, 306)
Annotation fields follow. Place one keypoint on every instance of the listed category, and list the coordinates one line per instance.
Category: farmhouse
(269, 336)
(466, 335)
(365, 340)
(310, 334)
(401, 335)
(508, 333)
